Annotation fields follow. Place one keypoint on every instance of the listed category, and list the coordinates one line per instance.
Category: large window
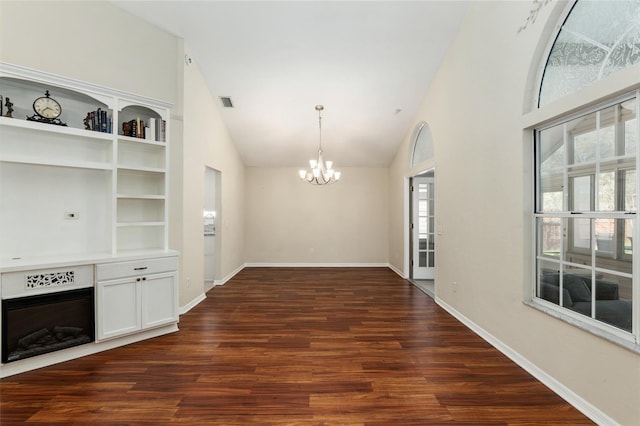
(586, 213)
(586, 233)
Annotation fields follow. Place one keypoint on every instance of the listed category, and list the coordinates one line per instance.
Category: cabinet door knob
(137, 279)
(144, 278)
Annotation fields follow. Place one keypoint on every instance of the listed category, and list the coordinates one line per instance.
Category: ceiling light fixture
(321, 172)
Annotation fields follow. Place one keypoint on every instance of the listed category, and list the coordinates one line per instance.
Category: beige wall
(474, 109)
(289, 221)
(92, 41)
(207, 143)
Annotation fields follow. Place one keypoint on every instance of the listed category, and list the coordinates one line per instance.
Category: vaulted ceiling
(368, 63)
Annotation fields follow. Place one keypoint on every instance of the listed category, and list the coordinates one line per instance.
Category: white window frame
(606, 91)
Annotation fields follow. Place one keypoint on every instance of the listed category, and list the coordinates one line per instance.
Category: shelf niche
(75, 105)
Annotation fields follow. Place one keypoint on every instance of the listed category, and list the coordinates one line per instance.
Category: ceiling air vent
(226, 101)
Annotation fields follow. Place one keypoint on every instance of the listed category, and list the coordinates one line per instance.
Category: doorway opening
(422, 246)
(211, 219)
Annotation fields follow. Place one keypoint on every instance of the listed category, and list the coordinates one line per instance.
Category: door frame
(408, 234)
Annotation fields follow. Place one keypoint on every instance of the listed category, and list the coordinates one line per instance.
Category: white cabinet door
(118, 307)
(159, 299)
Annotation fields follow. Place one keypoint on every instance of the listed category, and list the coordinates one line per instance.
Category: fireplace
(35, 325)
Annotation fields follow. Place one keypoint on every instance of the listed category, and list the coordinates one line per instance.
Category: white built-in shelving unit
(71, 196)
(115, 186)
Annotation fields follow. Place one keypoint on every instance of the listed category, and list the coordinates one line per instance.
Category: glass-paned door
(423, 220)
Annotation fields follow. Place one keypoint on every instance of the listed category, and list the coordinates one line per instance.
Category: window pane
(608, 118)
(550, 152)
(422, 259)
(629, 116)
(576, 288)
(548, 281)
(552, 201)
(605, 235)
(628, 237)
(607, 191)
(584, 147)
(423, 146)
(581, 189)
(581, 229)
(549, 237)
(630, 202)
(613, 300)
(597, 39)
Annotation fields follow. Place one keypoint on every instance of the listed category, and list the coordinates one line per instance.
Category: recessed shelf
(25, 159)
(141, 169)
(141, 140)
(140, 197)
(50, 128)
(129, 224)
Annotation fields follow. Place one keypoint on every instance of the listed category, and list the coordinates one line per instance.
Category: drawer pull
(142, 268)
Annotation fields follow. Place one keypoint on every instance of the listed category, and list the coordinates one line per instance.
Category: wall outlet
(71, 215)
(188, 281)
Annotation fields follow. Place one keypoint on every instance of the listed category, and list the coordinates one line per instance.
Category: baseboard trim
(561, 390)
(196, 301)
(398, 271)
(192, 304)
(316, 265)
(233, 273)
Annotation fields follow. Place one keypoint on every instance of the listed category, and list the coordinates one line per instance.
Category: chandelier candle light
(321, 172)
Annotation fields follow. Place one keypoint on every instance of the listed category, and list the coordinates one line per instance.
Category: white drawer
(41, 281)
(115, 270)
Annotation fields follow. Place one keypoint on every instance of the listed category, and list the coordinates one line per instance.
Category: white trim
(224, 280)
(317, 265)
(195, 302)
(399, 272)
(564, 392)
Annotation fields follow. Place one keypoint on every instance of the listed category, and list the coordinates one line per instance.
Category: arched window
(597, 39)
(423, 144)
(586, 180)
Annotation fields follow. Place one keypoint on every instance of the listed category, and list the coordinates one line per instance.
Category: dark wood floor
(352, 346)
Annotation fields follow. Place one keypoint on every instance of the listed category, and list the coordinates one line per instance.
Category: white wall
(474, 108)
(292, 222)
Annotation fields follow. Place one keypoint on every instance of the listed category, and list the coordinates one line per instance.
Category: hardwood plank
(278, 346)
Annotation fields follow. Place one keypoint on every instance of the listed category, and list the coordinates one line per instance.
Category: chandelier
(321, 172)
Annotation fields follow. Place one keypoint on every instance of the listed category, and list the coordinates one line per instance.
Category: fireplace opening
(36, 325)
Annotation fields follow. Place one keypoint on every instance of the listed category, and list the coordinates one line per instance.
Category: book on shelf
(98, 121)
(154, 129)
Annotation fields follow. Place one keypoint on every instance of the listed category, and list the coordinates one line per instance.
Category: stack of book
(154, 129)
(98, 121)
